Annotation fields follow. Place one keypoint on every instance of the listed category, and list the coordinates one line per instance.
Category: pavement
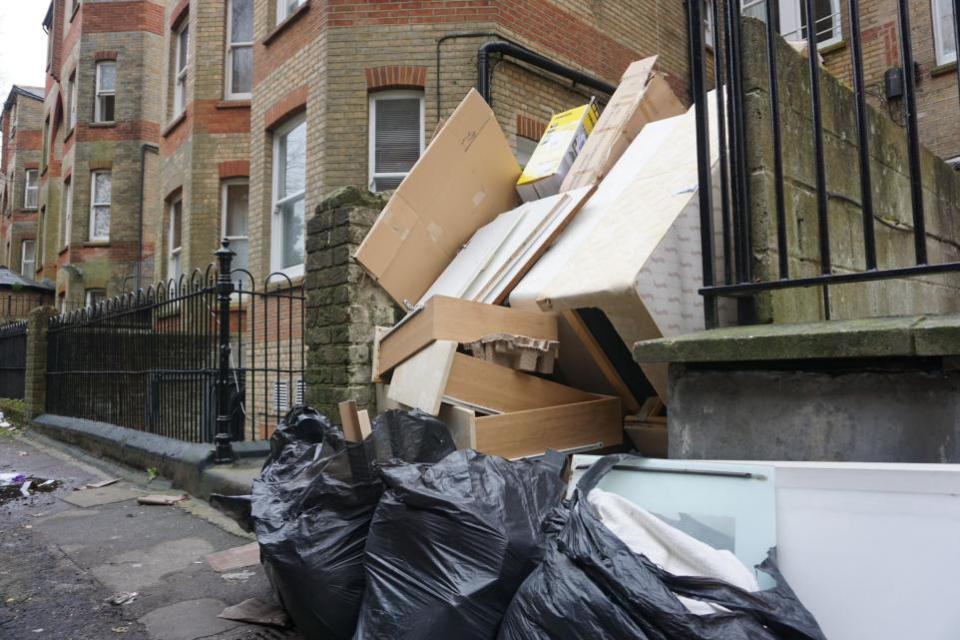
(64, 553)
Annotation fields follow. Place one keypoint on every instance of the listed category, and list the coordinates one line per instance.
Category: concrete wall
(891, 198)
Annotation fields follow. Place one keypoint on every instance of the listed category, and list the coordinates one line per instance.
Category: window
(72, 100)
(281, 395)
(100, 192)
(45, 143)
(285, 8)
(707, 23)
(793, 18)
(396, 136)
(235, 199)
(66, 220)
(240, 49)
(74, 5)
(175, 240)
(13, 122)
(106, 92)
(28, 258)
(31, 188)
(181, 62)
(94, 297)
(944, 36)
(289, 184)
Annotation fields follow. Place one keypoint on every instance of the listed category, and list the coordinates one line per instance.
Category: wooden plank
(420, 381)
(600, 358)
(378, 335)
(463, 321)
(526, 433)
(650, 439)
(500, 389)
(350, 421)
(363, 419)
(462, 424)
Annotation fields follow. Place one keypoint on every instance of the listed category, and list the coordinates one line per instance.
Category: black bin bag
(312, 504)
(590, 585)
(451, 542)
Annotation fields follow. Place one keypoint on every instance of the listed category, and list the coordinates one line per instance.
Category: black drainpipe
(485, 71)
(152, 148)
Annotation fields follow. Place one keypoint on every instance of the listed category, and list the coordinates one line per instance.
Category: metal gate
(13, 360)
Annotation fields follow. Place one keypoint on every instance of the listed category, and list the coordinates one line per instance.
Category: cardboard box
(463, 180)
(555, 155)
(642, 96)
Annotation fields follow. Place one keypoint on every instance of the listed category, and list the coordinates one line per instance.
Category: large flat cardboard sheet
(634, 250)
(641, 97)
(463, 180)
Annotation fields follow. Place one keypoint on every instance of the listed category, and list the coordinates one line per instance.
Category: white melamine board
(421, 380)
(501, 250)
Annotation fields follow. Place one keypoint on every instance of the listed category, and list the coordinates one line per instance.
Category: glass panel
(241, 260)
(106, 108)
(237, 205)
(293, 155)
(241, 25)
(754, 9)
(101, 222)
(387, 184)
(825, 19)
(948, 42)
(183, 48)
(291, 229)
(398, 135)
(108, 76)
(242, 78)
(102, 188)
(176, 225)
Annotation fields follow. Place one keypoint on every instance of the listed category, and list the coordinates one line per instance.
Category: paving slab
(85, 498)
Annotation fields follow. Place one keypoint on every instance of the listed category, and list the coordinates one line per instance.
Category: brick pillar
(35, 381)
(343, 303)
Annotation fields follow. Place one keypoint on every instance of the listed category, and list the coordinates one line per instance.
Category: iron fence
(736, 278)
(13, 360)
(184, 359)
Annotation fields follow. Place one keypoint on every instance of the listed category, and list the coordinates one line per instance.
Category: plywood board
(420, 382)
(462, 424)
(463, 180)
(641, 97)
(489, 386)
(463, 321)
(531, 432)
(349, 421)
(236, 558)
(607, 370)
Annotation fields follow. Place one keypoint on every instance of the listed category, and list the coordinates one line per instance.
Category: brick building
(20, 126)
(934, 51)
(99, 179)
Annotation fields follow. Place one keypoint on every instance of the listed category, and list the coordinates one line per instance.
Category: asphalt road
(59, 562)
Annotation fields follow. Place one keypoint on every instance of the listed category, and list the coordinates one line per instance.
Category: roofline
(48, 19)
(16, 90)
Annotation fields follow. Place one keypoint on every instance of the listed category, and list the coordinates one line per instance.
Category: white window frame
(283, 13)
(174, 254)
(101, 93)
(224, 209)
(180, 74)
(399, 94)
(28, 273)
(709, 32)
(27, 189)
(94, 203)
(939, 39)
(66, 227)
(276, 235)
(229, 93)
(88, 296)
(791, 22)
(72, 86)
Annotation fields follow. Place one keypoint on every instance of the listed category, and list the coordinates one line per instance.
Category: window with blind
(239, 49)
(396, 136)
(793, 18)
(289, 191)
(31, 188)
(235, 198)
(28, 259)
(944, 38)
(101, 191)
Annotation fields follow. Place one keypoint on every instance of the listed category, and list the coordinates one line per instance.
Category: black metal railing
(183, 359)
(738, 279)
(13, 360)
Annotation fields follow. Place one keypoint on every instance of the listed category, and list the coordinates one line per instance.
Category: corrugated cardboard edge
(407, 249)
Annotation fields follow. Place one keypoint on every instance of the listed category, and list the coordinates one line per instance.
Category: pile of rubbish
(402, 535)
(14, 486)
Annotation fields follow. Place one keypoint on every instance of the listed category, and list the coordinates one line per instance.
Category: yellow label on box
(566, 130)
